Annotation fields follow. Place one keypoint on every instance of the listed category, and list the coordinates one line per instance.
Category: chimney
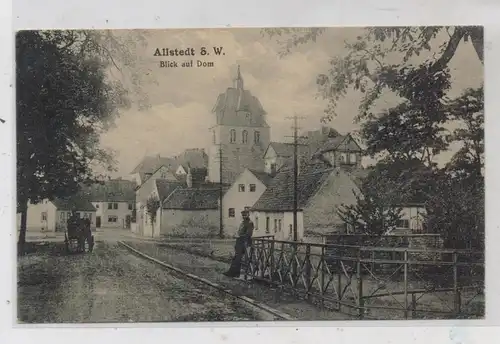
(189, 178)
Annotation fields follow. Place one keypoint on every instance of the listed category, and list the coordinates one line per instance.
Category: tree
(408, 136)
(152, 206)
(64, 100)
(377, 208)
(468, 111)
(457, 208)
(367, 67)
(457, 211)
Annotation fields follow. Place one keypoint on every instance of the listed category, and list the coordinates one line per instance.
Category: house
(411, 220)
(151, 165)
(321, 189)
(114, 201)
(162, 188)
(145, 190)
(52, 215)
(343, 151)
(195, 158)
(245, 191)
(190, 212)
(277, 153)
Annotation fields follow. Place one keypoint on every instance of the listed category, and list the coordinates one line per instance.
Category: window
(232, 136)
(241, 187)
(275, 225)
(279, 225)
(115, 205)
(343, 158)
(273, 168)
(291, 230)
(231, 212)
(403, 224)
(244, 137)
(130, 206)
(112, 218)
(352, 159)
(256, 225)
(267, 224)
(110, 205)
(44, 216)
(86, 215)
(256, 137)
(252, 187)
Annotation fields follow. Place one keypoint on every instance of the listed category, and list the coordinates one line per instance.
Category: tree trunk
(22, 231)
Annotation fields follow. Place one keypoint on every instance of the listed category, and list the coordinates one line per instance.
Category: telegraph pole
(221, 191)
(295, 173)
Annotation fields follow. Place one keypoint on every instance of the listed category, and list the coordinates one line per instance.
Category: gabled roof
(166, 187)
(192, 199)
(358, 175)
(335, 143)
(195, 158)
(150, 164)
(115, 190)
(279, 194)
(77, 203)
(264, 177)
(286, 150)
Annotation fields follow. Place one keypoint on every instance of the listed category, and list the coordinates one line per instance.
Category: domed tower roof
(238, 107)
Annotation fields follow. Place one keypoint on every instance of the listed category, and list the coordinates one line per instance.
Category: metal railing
(373, 282)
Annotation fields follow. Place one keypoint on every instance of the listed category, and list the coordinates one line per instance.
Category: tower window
(232, 136)
(244, 138)
(256, 137)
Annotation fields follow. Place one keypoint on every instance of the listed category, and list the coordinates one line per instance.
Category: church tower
(240, 132)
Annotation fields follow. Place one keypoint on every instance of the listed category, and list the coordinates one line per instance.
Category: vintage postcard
(264, 174)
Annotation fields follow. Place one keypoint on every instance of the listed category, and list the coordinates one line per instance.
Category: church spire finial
(238, 81)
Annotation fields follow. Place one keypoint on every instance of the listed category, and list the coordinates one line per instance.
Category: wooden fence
(373, 282)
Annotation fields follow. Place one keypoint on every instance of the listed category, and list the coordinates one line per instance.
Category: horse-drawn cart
(78, 236)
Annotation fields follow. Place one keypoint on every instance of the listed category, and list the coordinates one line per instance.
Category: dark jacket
(246, 229)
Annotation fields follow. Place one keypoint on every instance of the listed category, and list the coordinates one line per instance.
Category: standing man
(244, 240)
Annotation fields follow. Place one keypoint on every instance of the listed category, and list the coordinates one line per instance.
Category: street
(113, 285)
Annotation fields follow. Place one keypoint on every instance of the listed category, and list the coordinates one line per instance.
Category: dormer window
(244, 138)
(232, 136)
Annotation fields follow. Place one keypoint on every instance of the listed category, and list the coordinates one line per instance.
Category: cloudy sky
(181, 99)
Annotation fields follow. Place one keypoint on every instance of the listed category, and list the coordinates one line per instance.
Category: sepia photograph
(250, 174)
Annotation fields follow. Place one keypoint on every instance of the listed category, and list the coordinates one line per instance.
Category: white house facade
(243, 193)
